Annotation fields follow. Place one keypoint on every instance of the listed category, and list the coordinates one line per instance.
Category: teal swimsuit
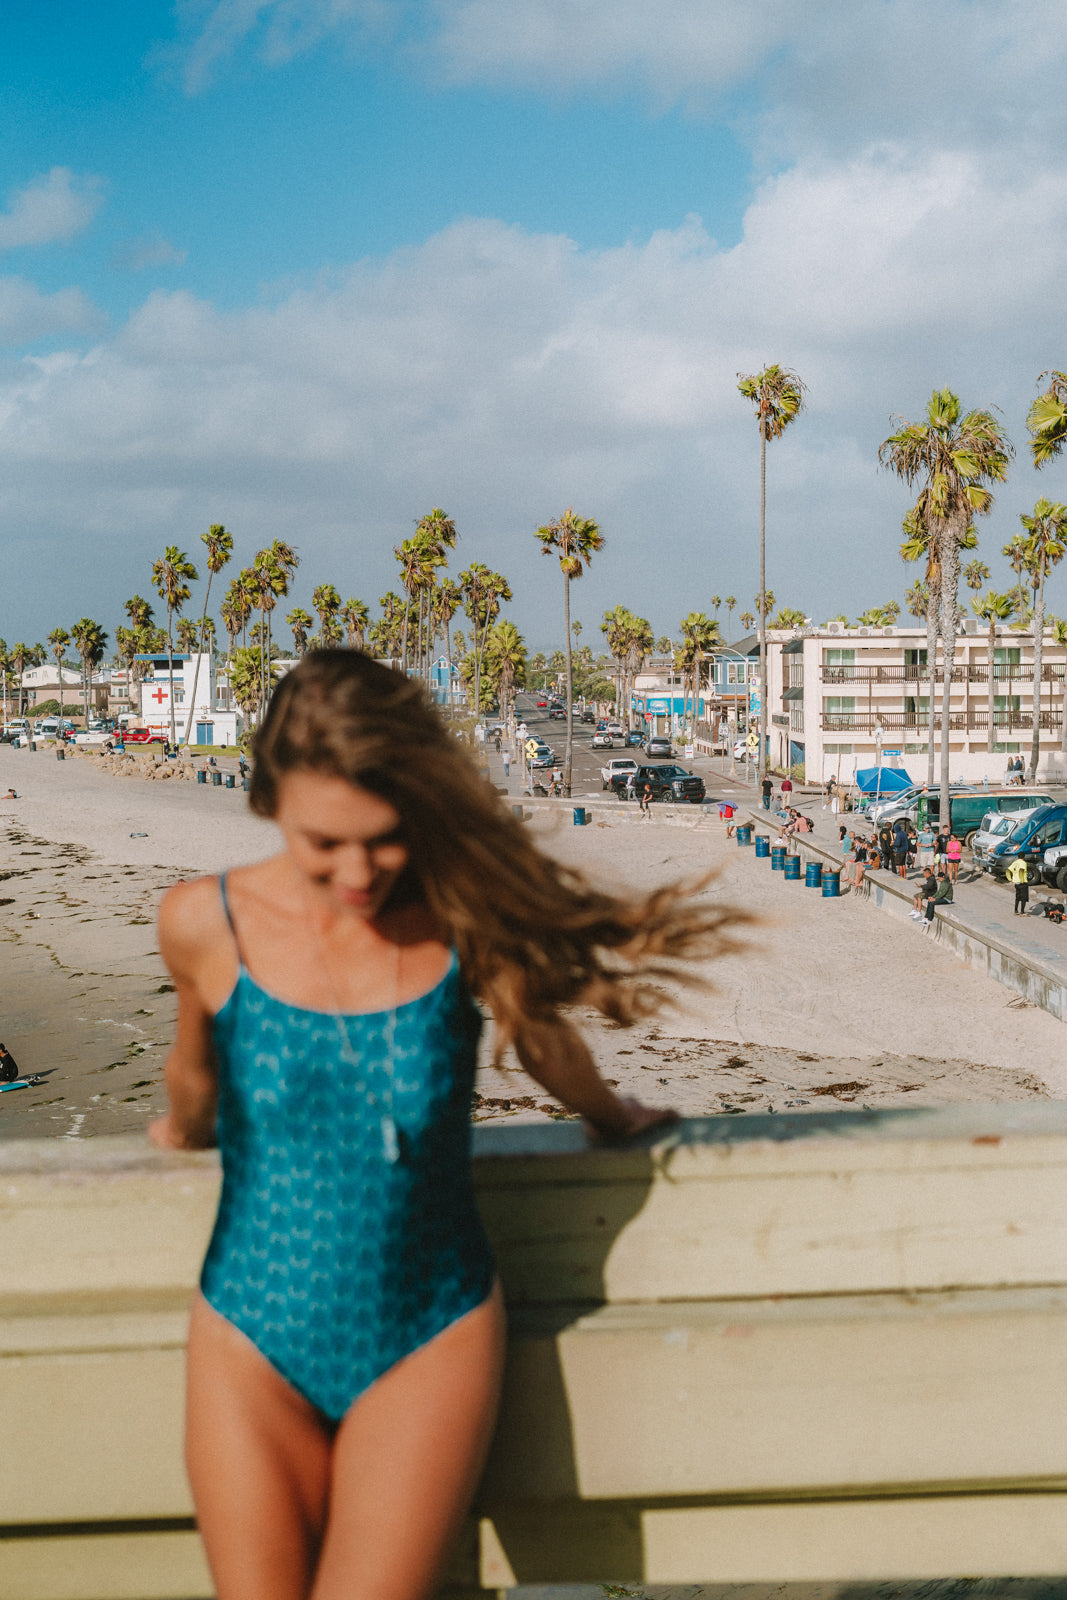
(347, 1233)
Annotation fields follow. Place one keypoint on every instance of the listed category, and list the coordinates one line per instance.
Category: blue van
(1030, 839)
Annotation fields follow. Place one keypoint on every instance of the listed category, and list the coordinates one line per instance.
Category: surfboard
(19, 1083)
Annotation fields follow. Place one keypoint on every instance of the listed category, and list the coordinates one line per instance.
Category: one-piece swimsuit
(347, 1233)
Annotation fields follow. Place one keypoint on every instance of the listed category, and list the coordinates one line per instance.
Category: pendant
(390, 1142)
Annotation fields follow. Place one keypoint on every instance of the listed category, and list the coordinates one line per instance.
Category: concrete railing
(826, 1347)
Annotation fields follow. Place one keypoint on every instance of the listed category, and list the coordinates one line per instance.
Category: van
(1028, 841)
(968, 808)
(996, 826)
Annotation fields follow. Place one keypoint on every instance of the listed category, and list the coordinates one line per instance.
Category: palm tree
(219, 546)
(186, 635)
(300, 621)
(994, 608)
(172, 575)
(271, 573)
(505, 660)
(716, 605)
(483, 591)
(975, 573)
(355, 614)
(247, 682)
(59, 639)
(1045, 547)
(638, 644)
(575, 540)
(437, 532)
(700, 635)
(90, 641)
(327, 603)
(1046, 421)
(747, 621)
(448, 597)
(613, 628)
(730, 602)
(778, 396)
(956, 456)
(790, 617)
(1015, 551)
(237, 607)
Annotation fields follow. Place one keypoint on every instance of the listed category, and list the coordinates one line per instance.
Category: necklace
(387, 1121)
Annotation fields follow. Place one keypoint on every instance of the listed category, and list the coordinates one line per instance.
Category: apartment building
(841, 695)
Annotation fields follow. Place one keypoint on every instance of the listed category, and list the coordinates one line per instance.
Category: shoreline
(831, 1004)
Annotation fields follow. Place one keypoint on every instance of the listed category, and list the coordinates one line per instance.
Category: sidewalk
(1027, 954)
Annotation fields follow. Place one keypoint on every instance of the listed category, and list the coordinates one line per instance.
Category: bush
(796, 772)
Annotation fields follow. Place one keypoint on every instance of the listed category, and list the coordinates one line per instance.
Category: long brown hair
(532, 935)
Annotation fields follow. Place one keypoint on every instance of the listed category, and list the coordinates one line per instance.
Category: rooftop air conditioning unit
(888, 632)
(865, 633)
(970, 626)
(833, 627)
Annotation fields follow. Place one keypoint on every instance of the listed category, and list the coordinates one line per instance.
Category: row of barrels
(816, 876)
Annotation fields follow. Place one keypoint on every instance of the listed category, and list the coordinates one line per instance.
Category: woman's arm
(190, 1076)
(558, 1058)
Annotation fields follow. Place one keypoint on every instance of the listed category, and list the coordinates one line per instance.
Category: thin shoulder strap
(229, 916)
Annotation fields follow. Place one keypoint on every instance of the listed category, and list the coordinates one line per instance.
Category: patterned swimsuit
(335, 1260)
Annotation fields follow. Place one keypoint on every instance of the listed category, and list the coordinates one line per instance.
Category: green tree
(483, 592)
(355, 614)
(1015, 551)
(218, 545)
(992, 608)
(436, 532)
(59, 639)
(90, 641)
(247, 680)
(747, 620)
(1046, 529)
(327, 603)
(790, 617)
(730, 603)
(505, 663)
(301, 622)
(186, 635)
(575, 540)
(975, 573)
(448, 598)
(172, 575)
(954, 456)
(700, 635)
(778, 396)
(1046, 420)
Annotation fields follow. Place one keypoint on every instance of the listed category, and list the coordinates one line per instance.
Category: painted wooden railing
(763, 1349)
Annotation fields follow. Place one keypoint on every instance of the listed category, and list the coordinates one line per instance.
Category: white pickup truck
(619, 764)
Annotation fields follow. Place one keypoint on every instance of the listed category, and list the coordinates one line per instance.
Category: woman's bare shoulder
(190, 913)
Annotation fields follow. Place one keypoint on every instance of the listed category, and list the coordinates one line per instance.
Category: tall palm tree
(613, 628)
(1046, 421)
(355, 614)
(778, 396)
(237, 607)
(993, 608)
(716, 605)
(448, 597)
(975, 573)
(172, 575)
(301, 622)
(476, 584)
(437, 531)
(90, 641)
(327, 603)
(219, 546)
(699, 636)
(1015, 551)
(956, 456)
(747, 621)
(59, 639)
(638, 644)
(730, 602)
(575, 540)
(187, 635)
(1045, 547)
(505, 659)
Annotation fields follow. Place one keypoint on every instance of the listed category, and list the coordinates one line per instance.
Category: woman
(953, 857)
(345, 1347)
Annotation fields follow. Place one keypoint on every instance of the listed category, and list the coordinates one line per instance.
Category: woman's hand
(165, 1134)
(634, 1118)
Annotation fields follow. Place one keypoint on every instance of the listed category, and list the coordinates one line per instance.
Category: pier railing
(762, 1349)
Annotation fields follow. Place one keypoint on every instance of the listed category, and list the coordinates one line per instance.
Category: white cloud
(27, 315)
(149, 250)
(53, 208)
(212, 31)
(505, 375)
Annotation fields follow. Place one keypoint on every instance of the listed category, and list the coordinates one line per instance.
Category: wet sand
(831, 1002)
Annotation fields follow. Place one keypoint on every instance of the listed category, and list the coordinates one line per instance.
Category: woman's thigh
(406, 1462)
(258, 1456)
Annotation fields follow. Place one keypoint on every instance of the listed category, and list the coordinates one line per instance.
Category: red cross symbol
(158, 697)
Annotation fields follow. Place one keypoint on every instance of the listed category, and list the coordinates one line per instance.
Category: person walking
(346, 1346)
(1019, 874)
(900, 850)
(646, 798)
(767, 786)
(787, 789)
(506, 758)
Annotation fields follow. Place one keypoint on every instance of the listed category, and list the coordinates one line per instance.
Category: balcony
(1051, 672)
(974, 721)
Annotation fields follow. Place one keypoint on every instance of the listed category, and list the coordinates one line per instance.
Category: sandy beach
(831, 1002)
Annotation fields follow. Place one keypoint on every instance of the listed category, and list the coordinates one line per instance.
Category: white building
(840, 695)
(212, 722)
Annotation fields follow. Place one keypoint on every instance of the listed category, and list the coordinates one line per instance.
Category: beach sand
(832, 1000)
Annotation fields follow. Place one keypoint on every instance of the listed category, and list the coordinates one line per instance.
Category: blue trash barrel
(246, 783)
(579, 816)
(227, 780)
(61, 754)
(201, 775)
(792, 869)
(744, 833)
(831, 883)
(763, 845)
(778, 855)
(216, 779)
(812, 875)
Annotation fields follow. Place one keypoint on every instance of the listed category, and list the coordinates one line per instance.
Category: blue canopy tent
(883, 780)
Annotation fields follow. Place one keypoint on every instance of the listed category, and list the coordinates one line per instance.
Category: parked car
(602, 740)
(616, 766)
(658, 745)
(142, 736)
(95, 738)
(667, 783)
(1031, 837)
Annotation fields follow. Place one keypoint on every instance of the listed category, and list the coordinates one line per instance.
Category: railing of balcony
(1051, 672)
(974, 721)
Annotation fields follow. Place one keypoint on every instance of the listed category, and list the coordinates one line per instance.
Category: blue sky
(308, 267)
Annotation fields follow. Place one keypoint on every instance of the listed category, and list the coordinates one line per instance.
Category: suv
(588, 715)
(141, 736)
(602, 740)
(667, 783)
(657, 744)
